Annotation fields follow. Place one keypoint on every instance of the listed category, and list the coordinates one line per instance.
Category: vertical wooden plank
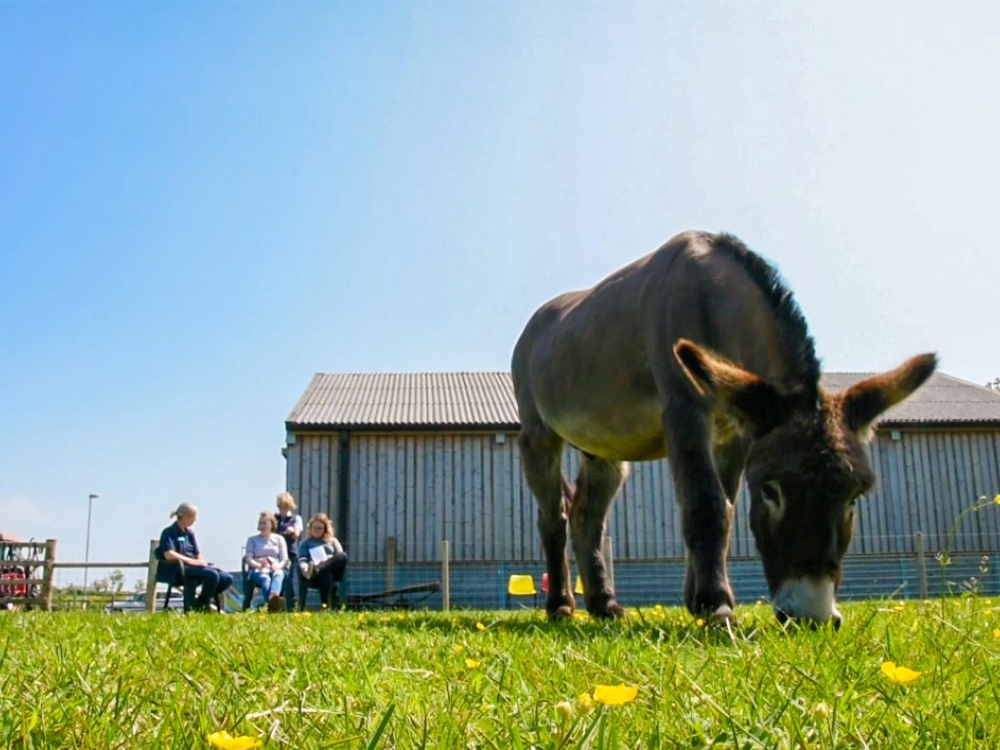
(653, 523)
(961, 469)
(880, 541)
(486, 528)
(940, 447)
(438, 498)
(356, 517)
(469, 497)
(385, 488)
(425, 503)
(451, 510)
(491, 483)
(356, 511)
(519, 510)
(502, 500)
(917, 491)
(883, 542)
(371, 509)
(921, 489)
(978, 485)
(397, 515)
(293, 470)
(333, 481)
(356, 537)
(647, 523)
(415, 512)
(315, 462)
(939, 511)
(941, 444)
(325, 488)
(988, 450)
(898, 495)
(48, 573)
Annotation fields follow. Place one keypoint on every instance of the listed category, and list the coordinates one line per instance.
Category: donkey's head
(806, 469)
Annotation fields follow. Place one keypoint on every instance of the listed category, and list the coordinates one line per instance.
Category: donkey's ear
(865, 401)
(753, 399)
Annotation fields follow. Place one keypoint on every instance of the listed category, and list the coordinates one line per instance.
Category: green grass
(88, 680)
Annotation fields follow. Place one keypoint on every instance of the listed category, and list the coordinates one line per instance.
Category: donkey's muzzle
(836, 619)
(807, 601)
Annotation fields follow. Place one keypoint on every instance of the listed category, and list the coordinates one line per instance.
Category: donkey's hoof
(564, 612)
(723, 615)
(610, 611)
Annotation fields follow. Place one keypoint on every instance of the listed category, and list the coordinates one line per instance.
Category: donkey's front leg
(705, 511)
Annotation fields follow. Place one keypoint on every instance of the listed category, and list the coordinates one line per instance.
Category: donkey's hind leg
(596, 487)
(541, 460)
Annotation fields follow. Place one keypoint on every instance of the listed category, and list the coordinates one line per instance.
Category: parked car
(137, 603)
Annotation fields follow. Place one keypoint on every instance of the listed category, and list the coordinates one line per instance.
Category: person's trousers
(269, 581)
(291, 588)
(213, 582)
(327, 579)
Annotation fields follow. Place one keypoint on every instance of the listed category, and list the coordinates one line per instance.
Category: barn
(406, 462)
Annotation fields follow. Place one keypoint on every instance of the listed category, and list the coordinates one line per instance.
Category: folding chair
(522, 585)
(172, 574)
(249, 586)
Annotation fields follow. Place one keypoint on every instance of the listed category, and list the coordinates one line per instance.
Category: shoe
(275, 604)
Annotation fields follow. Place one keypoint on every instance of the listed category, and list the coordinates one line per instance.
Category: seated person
(178, 544)
(266, 559)
(321, 562)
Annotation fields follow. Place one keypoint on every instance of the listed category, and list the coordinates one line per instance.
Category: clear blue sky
(202, 204)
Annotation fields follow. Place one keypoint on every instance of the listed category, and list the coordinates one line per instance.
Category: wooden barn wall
(312, 474)
(468, 488)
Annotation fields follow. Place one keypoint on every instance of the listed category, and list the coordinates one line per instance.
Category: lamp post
(86, 554)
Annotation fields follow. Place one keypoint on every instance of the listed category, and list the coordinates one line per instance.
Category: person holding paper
(321, 562)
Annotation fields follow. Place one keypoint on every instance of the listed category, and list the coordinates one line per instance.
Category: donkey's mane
(787, 312)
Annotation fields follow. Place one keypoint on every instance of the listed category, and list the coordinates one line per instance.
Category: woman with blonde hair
(179, 549)
(290, 527)
(267, 558)
(322, 562)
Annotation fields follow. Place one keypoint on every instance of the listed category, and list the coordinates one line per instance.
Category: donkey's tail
(569, 495)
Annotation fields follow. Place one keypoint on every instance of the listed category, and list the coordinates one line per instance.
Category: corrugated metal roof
(941, 400)
(470, 399)
(486, 399)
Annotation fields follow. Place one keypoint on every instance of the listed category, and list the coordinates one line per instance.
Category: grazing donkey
(697, 352)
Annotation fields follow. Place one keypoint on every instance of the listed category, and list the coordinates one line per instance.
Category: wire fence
(387, 576)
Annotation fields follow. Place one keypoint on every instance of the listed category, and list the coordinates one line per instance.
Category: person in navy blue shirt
(178, 544)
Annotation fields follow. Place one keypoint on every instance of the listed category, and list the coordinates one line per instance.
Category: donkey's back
(697, 352)
(596, 365)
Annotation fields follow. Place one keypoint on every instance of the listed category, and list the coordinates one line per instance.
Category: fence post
(151, 577)
(609, 561)
(390, 563)
(445, 577)
(918, 539)
(47, 572)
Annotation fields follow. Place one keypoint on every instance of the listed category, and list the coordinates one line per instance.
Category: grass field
(501, 680)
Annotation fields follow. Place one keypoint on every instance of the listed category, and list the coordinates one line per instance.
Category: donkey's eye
(771, 493)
